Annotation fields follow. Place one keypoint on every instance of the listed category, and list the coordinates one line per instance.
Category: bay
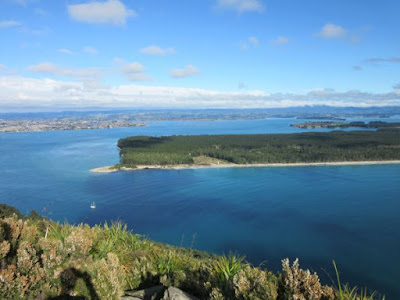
(345, 213)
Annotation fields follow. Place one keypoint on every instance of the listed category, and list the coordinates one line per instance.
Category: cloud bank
(17, 91)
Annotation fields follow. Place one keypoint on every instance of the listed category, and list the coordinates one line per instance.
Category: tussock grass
(347, 293)
(58, 231)
(227, 267)
(42, 259)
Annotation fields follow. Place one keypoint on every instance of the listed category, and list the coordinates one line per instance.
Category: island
(251, 150)
(332, 125)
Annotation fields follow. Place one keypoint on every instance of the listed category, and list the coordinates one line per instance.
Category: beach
(111, 169)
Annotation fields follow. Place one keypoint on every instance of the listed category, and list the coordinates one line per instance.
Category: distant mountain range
(145, 114)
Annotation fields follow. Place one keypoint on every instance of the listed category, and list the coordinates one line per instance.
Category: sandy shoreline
(111, 169)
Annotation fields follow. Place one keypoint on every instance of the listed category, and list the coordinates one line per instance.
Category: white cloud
(39, 31)
(376, 60)
(86, 49)
(52, 69)
(23, 92)
(5, 70)
(9, 23)
(90, 50)
(45, 67)
(251, 42)
(280, 40)
(21, 2)
(134, 71)
(244, 46)
(133, 68)
(65, 51)
(187, 71)
(156, 50)
(241, 85)
(332, 31)
(140, 77)
(110, 11)
(41, 12)
(241, 6)
(254, 41)
(118, 60)
(35, 31)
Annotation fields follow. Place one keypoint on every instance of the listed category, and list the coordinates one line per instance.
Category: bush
(43, 259)
(299, 284)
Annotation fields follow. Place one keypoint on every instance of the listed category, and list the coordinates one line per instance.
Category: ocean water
(317, 214)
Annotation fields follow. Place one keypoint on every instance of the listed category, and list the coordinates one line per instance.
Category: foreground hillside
(336, 146)
(41, 259)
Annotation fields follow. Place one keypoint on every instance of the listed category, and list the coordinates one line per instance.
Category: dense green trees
(263, 148)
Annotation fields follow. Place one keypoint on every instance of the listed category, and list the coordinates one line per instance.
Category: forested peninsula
(381, 146)
(331, 125)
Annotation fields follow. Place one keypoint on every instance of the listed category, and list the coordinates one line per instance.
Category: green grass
(110, 259)
(115, 236)
(166, 262)
(347, 293)
(227, 267)
(58, 231)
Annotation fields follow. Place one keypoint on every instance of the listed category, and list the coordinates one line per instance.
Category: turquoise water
(346, 213)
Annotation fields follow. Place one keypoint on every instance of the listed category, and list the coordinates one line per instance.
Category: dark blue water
(346, 213)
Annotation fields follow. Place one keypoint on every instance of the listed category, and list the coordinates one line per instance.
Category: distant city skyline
(199, 54)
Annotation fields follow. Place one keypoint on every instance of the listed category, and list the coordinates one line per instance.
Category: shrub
(43, 259)
(108, 277)
(299, 284)
(253, 284)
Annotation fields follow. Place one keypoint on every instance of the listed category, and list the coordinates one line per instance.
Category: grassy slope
(262, 148)
(41, 259)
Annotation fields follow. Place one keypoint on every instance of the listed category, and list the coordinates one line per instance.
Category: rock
(153, 293)
(173, 293)
(158, 293)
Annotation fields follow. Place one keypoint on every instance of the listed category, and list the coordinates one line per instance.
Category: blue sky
(199, 53)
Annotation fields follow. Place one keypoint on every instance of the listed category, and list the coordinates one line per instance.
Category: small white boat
(92, 205)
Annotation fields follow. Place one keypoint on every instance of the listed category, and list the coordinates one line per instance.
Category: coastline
(112, 169)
